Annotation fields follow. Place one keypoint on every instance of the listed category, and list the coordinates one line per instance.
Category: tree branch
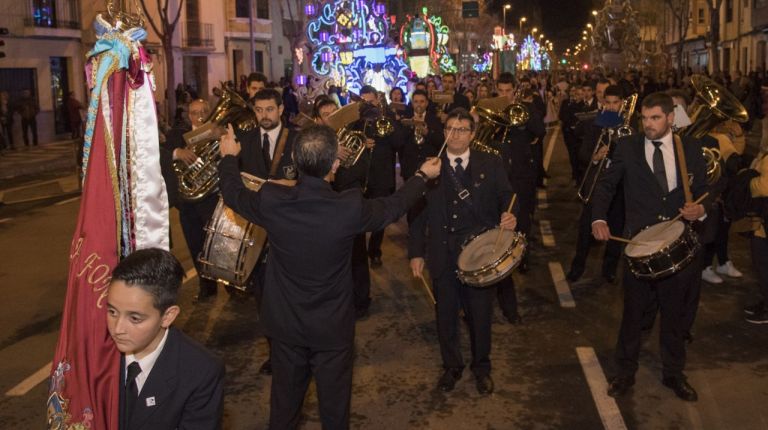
(178, 15)
(150, 20)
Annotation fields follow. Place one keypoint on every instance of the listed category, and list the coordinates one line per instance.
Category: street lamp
(534, 30)
(520, 26)
(506, 8)
(594, 13)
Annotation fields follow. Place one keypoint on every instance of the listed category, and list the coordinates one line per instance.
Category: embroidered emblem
(150, 401)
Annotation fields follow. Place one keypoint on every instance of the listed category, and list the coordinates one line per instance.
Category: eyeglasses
(460, 130)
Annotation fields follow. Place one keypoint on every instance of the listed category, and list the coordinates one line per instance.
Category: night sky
(562, 20)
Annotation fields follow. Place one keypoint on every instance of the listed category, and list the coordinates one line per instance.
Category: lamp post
(504, 11)
(520, 26)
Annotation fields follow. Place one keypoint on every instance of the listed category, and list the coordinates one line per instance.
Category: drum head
(479, 252)
(654, 238)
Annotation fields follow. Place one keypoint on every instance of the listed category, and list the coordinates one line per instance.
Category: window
(258, 61)
(60, 89)
(241, 9)
(728, 10)
(44, 13)
(701, 16)
(262, 9)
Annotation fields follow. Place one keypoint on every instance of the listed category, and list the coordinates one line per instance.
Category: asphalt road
(549, 372)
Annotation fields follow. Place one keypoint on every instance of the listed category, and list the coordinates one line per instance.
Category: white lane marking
(606, 405)
(542, 197)
(5, 220)
(561, 285)
(63, 202)
(550, 147)
(31, 381)
(546, 234)
(213, 316)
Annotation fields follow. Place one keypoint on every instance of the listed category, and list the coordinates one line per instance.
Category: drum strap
(278, 152)
(463, 192)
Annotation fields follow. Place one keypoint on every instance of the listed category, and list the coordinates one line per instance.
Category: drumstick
(621, 239)
(672, 221)
(445, 143)
(501, 231)
(429, 290)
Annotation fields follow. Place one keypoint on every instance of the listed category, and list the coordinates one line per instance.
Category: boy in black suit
(167, 380)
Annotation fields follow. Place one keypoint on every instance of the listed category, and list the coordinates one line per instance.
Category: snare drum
(480, 265)
(661, 250)
(232, 244)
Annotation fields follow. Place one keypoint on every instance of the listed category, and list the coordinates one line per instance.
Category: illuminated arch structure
(424, 41)
(350, 45)
(532, 56)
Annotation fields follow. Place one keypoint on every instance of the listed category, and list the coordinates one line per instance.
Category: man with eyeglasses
(193, 216)
(472, 195)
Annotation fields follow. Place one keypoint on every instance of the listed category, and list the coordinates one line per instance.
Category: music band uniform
(646, 204)
(438, 232)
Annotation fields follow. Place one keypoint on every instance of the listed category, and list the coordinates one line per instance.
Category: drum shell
(494, 271)
(667, 260)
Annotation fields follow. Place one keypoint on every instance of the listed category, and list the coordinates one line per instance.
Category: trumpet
(607, 137)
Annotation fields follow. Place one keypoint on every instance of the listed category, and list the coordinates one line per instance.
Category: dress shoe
(574, 274)
(619, 385)
(754, 309)
(681, 387)
(376, 262)
(266, 367)
(484, 384)
(447, 382)
(514, 319)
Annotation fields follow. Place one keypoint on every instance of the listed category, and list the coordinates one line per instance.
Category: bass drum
(232, 244)
(487, 258)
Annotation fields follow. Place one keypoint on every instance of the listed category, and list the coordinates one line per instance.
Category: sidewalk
(38, 172)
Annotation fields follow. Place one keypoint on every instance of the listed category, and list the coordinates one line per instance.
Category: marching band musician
(612, 102)
(193, 215)
(517, 153)
(255, 83)
(459, 99)
(647, 165)
(381, 172)
(425, 136)
(471, 195)
(266, 153)
(568, 120)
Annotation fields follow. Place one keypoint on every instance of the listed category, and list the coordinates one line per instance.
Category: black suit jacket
(308, 288)
(459, 101)
(184, 390)
(490, 194)
(252, 160)
(173, 140)
(516, 149)
(645, 201)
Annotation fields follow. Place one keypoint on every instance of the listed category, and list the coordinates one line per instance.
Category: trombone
(607, 137)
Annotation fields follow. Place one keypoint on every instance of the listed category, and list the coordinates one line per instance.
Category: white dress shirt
(273, 134)
(668, 151)
(146, 363)
(464, 159)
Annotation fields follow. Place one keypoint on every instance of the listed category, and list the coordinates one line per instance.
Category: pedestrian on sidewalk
(6, 120)
(73, 107)
(28, 111)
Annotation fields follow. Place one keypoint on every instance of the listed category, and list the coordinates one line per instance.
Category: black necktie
(459, 169)
(658, 167)
(131, 390)
(265, 151)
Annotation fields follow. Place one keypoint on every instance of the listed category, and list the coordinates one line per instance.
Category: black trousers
(360, 273)
(572, 145)
(719, 246)
(377, 237)
(451, 296)
(7, 135)
(292, 368)
(537, 151)
(613, 249)
(30, 124)
(525, 187)
(759, 248)
(507, 295)
(671, 293)
(194, 216)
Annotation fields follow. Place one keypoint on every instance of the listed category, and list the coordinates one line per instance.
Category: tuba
(201, 178)
(713, 104)
(496, 115)
(607, 138)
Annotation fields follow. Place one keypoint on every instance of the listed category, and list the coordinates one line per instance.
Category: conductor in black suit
(471, 195)
(167, 380)
(307, 308)
(648, 165)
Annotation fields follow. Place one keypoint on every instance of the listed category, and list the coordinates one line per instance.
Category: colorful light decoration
(350, 47)
(424, 40)
(532, 56)
(484, 63)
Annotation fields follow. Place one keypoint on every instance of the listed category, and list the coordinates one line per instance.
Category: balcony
(197, 35)
(63, 14)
